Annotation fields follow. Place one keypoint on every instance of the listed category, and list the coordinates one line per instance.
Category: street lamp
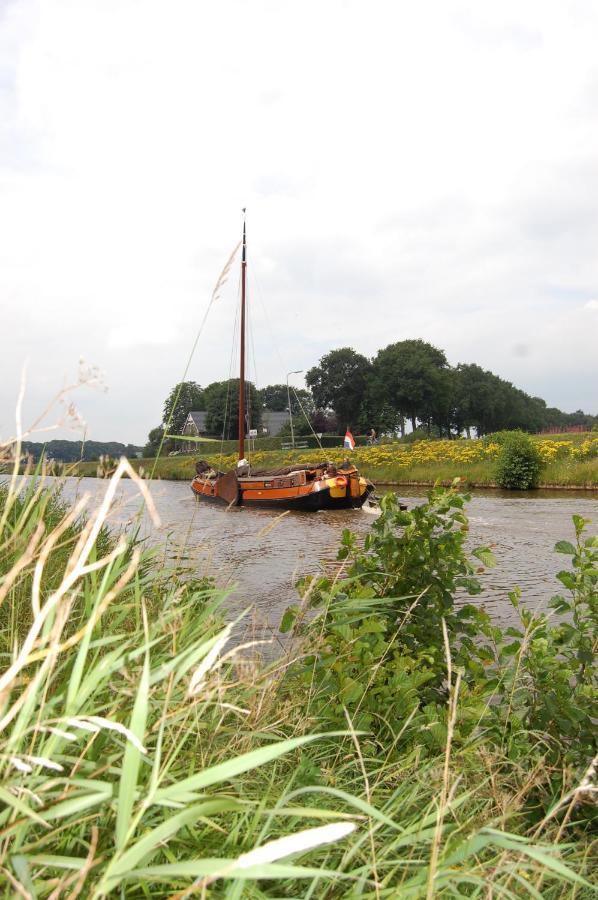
(296, 372)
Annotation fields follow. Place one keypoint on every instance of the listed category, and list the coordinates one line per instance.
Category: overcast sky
(410, 170)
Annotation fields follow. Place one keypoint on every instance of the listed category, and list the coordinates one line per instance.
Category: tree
(153, 443)
(222, 408)
(413, 376)
(376, 412)
(177, 408)
(475, 399)
(275, 397)
(339, 383)
(324, 422)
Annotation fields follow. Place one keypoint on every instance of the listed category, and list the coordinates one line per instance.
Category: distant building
(195, 425)
(273, 422)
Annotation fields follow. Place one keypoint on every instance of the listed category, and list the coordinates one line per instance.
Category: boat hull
(310, 500)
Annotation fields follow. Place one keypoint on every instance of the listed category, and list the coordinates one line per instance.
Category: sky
(410, 170)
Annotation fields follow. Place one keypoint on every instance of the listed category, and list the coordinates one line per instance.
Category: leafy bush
(388, 610)
(552, 686)
(389, 632)
(519, 462)
(136, 761)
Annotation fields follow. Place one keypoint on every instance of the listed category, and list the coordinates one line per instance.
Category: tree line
(74, 451)
(412, 382)
(406, 384)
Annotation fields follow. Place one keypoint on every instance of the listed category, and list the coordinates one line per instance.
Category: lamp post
(296, 372)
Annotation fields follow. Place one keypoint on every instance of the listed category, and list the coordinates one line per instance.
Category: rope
(306, 417)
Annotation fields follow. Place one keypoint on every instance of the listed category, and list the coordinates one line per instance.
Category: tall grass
(140, 756)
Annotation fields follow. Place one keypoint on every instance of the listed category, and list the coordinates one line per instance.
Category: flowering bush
(419, 453)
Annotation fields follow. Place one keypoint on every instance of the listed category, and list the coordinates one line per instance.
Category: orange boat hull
(291, 492)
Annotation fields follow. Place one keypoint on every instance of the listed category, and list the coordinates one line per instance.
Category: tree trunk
(468, 431)
(402, 426)
(413, 425)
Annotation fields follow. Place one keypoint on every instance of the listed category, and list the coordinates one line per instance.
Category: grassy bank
(566, 463)
(407, 749)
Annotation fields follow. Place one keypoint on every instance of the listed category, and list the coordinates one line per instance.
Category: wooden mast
(242, 354)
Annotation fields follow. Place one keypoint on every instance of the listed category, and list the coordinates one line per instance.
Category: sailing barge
(302, 487)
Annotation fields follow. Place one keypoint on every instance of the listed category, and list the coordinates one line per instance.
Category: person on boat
(205, 469)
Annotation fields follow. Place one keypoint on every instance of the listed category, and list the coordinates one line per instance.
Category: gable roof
(198, 418)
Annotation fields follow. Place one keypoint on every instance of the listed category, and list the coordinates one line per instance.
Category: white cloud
(127, 335)
(591, 304)
(409, 170)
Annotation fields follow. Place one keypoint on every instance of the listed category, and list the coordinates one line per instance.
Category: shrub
(384, 649)
(519, 463)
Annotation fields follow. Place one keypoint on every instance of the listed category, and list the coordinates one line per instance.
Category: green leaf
(351, 690)
(18, 806)
(580, 523)
(75, 805)
(288, 619)
(157, 836)
(565, 547)
(73, 863)
(231, 768)
(132, 758)
(201, 867)
(485, 555)
(20, 865)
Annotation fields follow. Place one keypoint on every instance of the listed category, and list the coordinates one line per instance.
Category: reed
(139, 755)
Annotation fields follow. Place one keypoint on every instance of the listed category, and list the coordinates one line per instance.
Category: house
(195, 423)
(273, 422)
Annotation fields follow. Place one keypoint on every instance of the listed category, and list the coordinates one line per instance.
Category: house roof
(198, 417)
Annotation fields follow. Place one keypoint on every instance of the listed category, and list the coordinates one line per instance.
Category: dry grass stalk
(445, 790)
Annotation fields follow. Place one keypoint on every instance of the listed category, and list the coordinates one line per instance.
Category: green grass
(133, 759)
(559, 473)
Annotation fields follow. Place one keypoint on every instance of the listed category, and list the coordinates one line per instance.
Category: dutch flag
(349, 441)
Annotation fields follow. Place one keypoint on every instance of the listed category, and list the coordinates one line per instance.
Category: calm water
(263, 553)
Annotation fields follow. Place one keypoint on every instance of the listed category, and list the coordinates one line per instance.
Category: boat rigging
(311, 487)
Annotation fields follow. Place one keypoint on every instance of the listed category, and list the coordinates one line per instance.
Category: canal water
(262, 553)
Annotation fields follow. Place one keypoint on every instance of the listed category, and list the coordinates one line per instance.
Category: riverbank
(140, 756)
(400, 465)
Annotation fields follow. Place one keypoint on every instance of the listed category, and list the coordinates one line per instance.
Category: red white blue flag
(349, 441)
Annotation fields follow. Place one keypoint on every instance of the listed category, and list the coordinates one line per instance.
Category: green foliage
(409, 379)
(519, 462)
(135, 761)
(73, 451)
(183, 398)
(275, 397)
(384, 647)
(412, 376)
(385, 634)
(154, 442)
(552, 688)
(339, 383)
(222, 408)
